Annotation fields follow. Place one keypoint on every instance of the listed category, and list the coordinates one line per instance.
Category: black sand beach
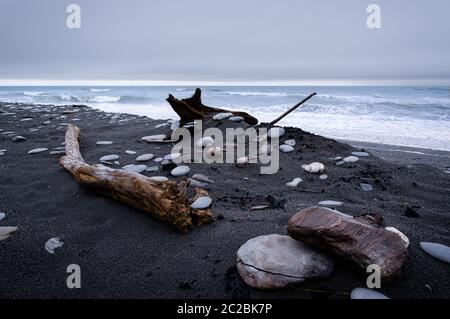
(125, 253)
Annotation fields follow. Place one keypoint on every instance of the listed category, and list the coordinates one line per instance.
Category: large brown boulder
(360, 241)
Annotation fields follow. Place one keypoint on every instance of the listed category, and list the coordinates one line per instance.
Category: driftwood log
(166, 201)
(193, 109)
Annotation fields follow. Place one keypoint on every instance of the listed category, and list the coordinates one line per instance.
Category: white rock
(52, 244)
(201, 202)
(360, 154)
(276, 261)
(196, 183)
(315, 167)
(294, 182)
(366, 187)
(172, 156)
(402, 236)
(275, 132)
(152, 168)
(159, 178)
(330, 203)
(323, 177)
(236, 118)
(6, 231)
(290, 142)
(286, 148)
(18, 138)
(351, 159)
(202, 178)
(180, 170)
(158, 159)
(144, 157)
(104, 142)
(222, 116)
(156, 137)
(38, 150)
(107, 158)
(438, 251)
(364, 293)
(204, 141)
(135, 168)
(2, 216)
(130, 152)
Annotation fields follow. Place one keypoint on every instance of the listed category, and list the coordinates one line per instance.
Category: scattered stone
(276, 132)
(351, 159)
(107, 163)
(135, 168)
(366, 187)
(2, 216)
(144, 157)
(364, 293)
(104, 142)
(26, 119)
(295, 182)
(59, 152)
(180, 170)
(202, 178)
(152, 138)
(159, 178)
(260, 207)
(18, 138)
(46, 122)
(290, 142)
(355, 240)
(152, 169)
(411, 212)
(6, 231)
(202, 202)
(277, 261)
(338, 158)
(222, 116)
(438, 251)
(172, 156)
(340, 163)
(158, 159)
(236, 118)
(38, 150)
(111, 157)
(314, 168)
(360, 154)
(286, 148)
(330, 203)
(52, 244)
(196, 183)
(323, 177)
(130, 152)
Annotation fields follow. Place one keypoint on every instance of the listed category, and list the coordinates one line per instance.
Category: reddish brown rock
(356, 240)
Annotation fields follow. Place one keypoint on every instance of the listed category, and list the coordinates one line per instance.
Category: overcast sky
(229, 40)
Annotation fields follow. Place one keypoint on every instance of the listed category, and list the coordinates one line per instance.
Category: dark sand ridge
(125, 253)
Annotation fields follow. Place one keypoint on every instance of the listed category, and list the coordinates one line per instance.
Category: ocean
(406, 116)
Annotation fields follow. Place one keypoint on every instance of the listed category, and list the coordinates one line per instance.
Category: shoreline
(125, 253)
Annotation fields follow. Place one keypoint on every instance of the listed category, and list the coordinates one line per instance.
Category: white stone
(111, 157)
(172, 156)
(202, 178)
(204, 141)
(38, 150)
(135, 168)
(222, 116)
(294, 182)
(277, 261)
(18, 138)
(315, 167)
(286, 148)
(158, 159)
(152, 168)
(360, 154)
(201, 202)
(275, 132)
(156, 137)
(351, 159)
(290, 142)
(236, 118)
(104, 142)
(144, 157)
(6, 231)
(438, 251)
(330, 203)
(130, 152)
(366, 187)
(323, 177)
(159, 178)
(2, 216)
(180, 170)
(52, 244)
(402, 236)
(364, 293)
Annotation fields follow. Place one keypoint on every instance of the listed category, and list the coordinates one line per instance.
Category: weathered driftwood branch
(292, 109)
(165, 201)
(193, 109)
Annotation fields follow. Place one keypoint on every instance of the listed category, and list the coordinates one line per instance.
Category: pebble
(330, 203)
(294, 182)
(202, 178)
(135, 168)
(360, 154)
(290, 142)
(275, 132)
(201, 202)
(180, 170)
(159, 178)
(144, 157)
(37, 150)
(315, 167)
(18, 138)
(112, 157)
(438, 251)
(236, 118)
(196, 183)
(286, 148)
(104, 142)
(152, 169)
(338, 158)
(366, 187)
(6, 231)
(2, 216)
(340, 163)
(26, 119)
(222, 116)
(323, 177)
(158, 159)
(351, 159)
(130, 152)
(59, 152)
(52, 244)
(172, 156)
(157, 137)
(365, 293)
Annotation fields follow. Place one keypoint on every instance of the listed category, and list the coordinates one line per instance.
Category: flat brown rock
(353, 239)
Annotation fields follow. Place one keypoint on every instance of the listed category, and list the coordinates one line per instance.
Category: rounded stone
(364, 293)
(38, 150)
(107, 158)
(144, 157)
(201, 202)
(286, 148)
(180, 170)
(276, 132)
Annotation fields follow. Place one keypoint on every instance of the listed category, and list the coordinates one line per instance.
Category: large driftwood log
(193, 109)
(165, 201)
